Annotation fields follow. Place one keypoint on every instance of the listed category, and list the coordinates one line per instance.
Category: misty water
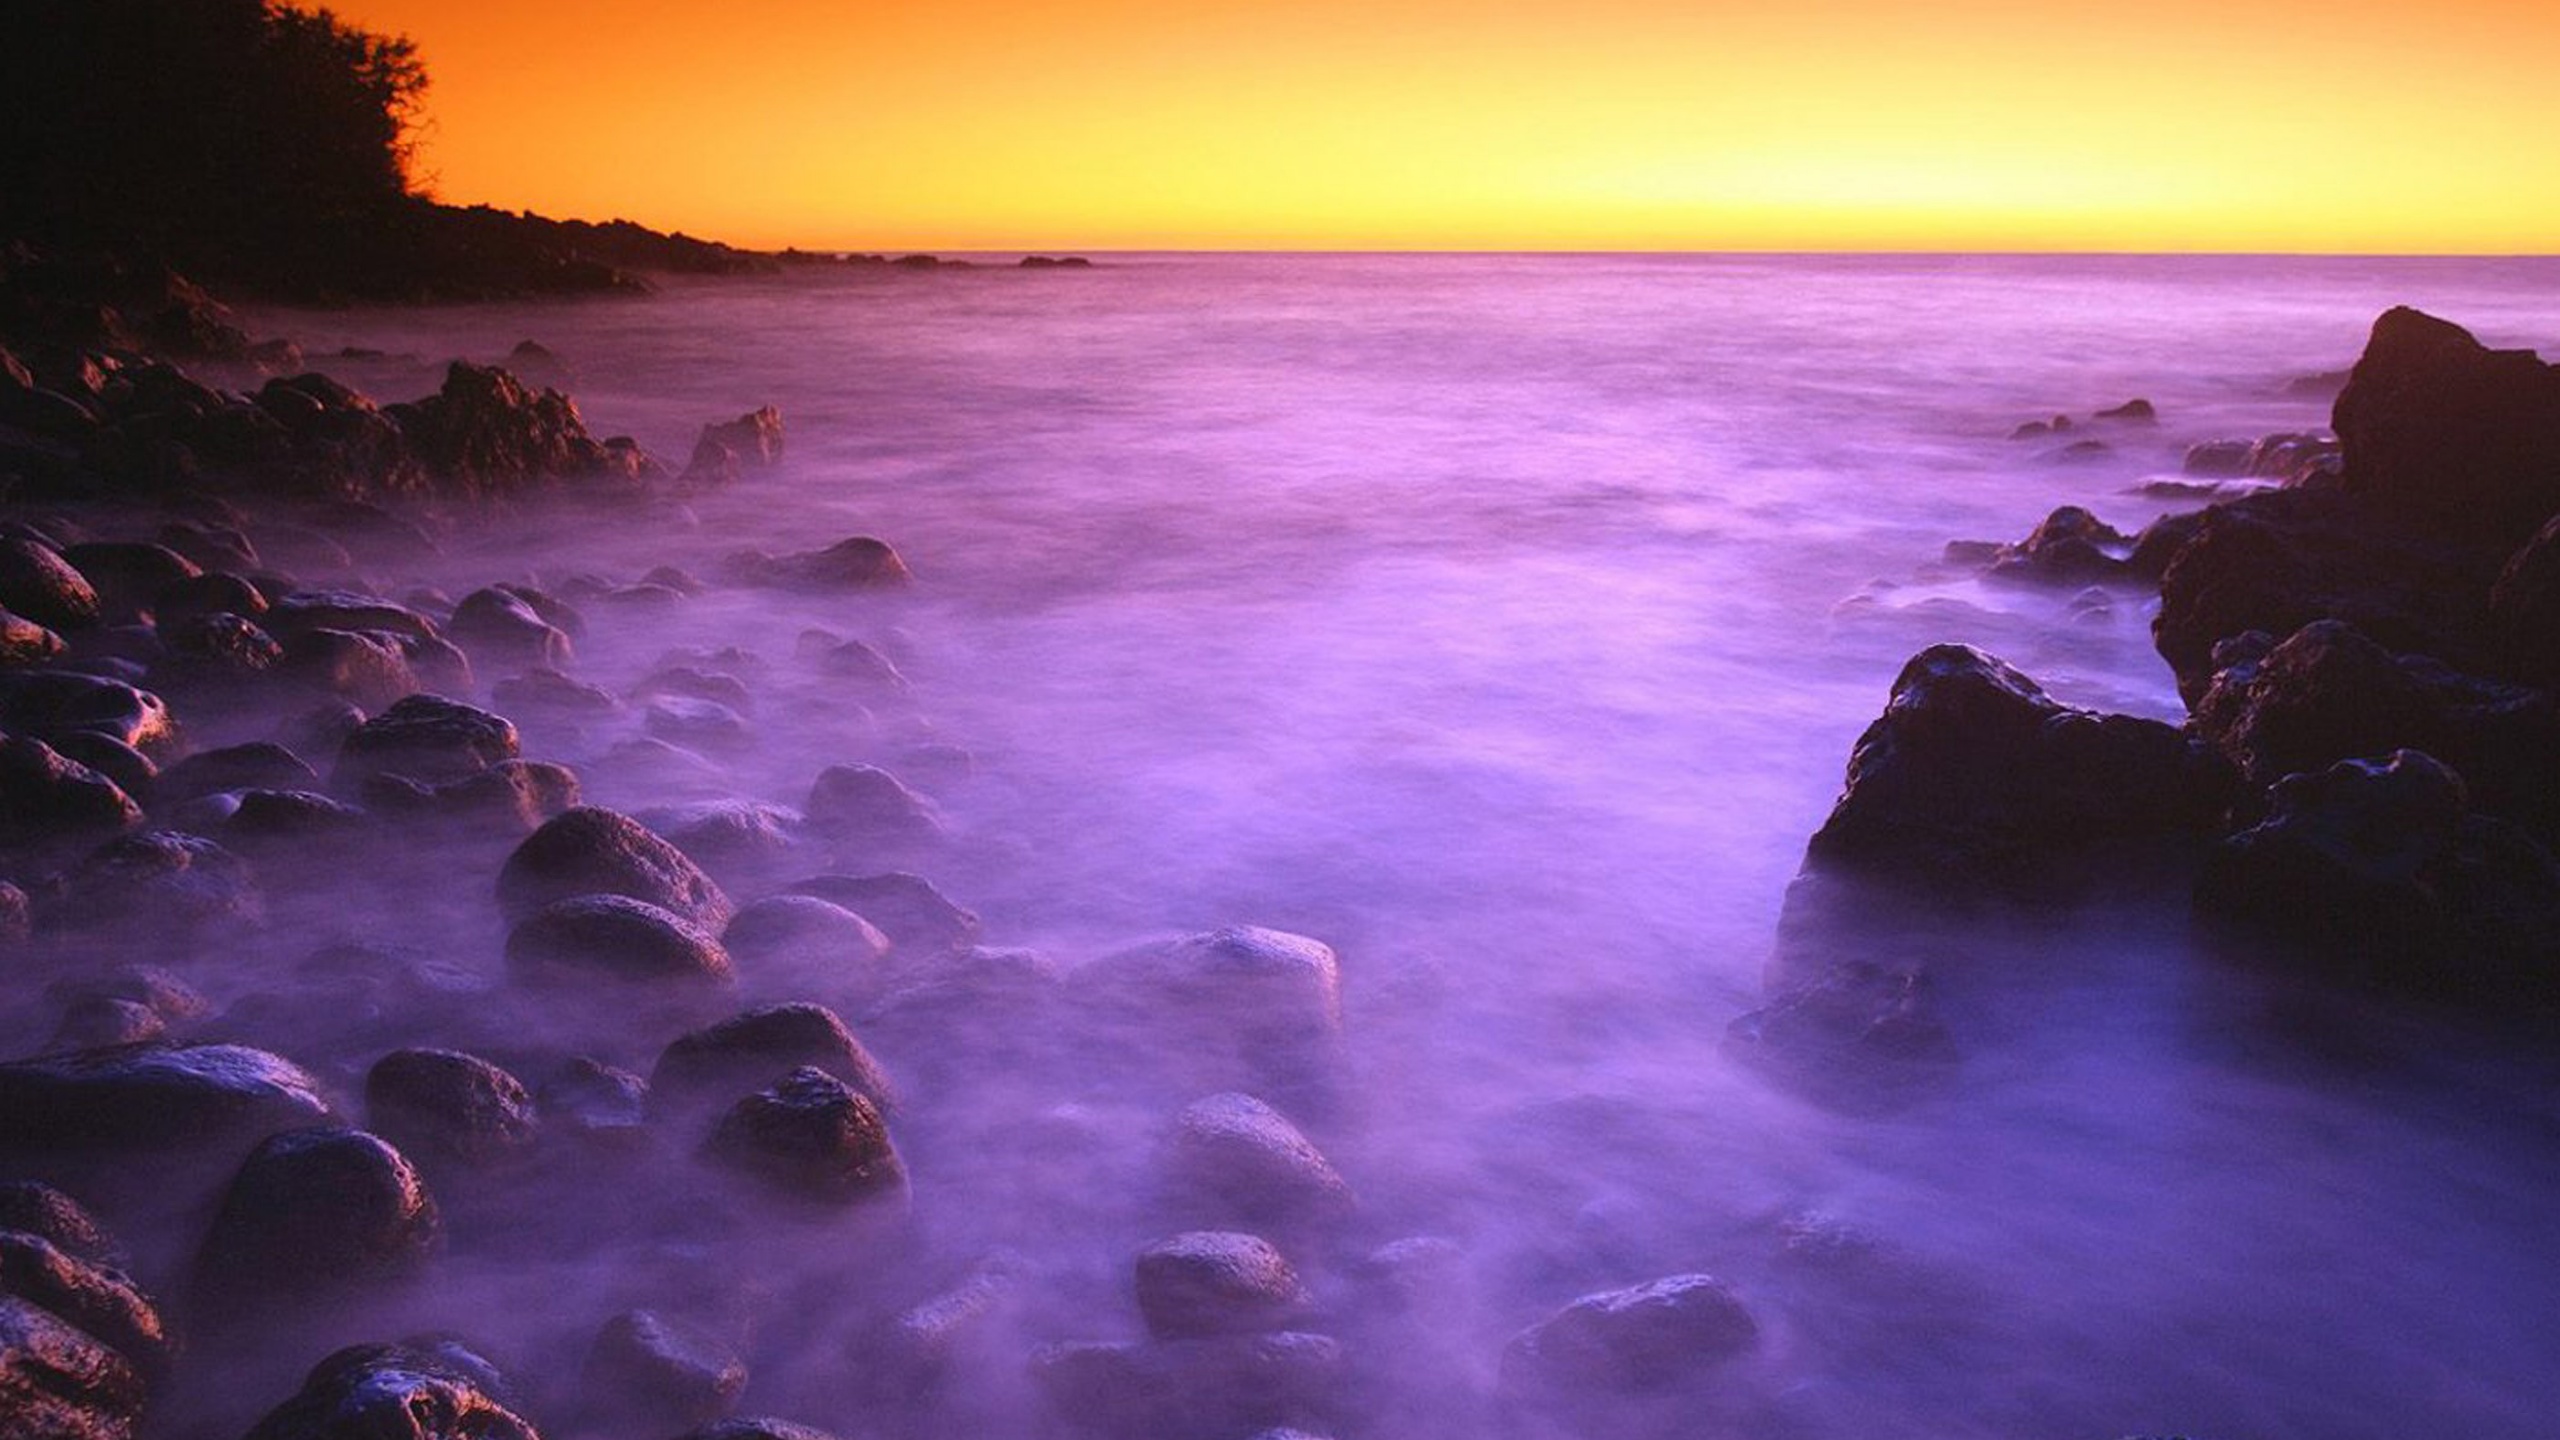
(1504, 623)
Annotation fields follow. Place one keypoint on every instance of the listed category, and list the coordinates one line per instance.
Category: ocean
(1505, 622)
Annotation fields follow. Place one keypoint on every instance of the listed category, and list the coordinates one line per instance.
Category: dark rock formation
(34, 1208)
(315, 1214)
(2068, 547)
(760, 1047)
(487, 436)
(647, 1369)
(1216, 1282)
(588, 851)
(814, 1139)
(102, 1302)
(36, 582)
(617, 938)
(1973, 775)
(393, 1392)
(2448, 434)
(447, 1108)
(47, 800)
(1669, 1332)
(150, 1099)
(425, 738)
(57, 1382)
(1233, 1159)
(500, 626)
(859, 563)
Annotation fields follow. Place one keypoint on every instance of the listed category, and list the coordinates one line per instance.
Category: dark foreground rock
(314, 1215)
(650, 1370)
(760, 1047)
(813, 1139)
(1669, 1332)
(57, 1382)
(144, 1099)
(590, 851)
(393, 1392)
(1974, 776)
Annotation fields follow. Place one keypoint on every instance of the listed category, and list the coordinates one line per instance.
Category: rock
(802, 935)
(869, 809)
(2069, 547)
(161, 883)
(348, 610)
(36, 582)
(812, 1138)
(154, 989)
(393, 1392)
(696, 724)
(98, 1021)
(447, 1108)
(257, 765)
(2524, 608)
(1230, 1385)
(2219, 459)
(55, 704)
(545, 691)
(1672, 1331)
(1216, 1282)
(1232, 1158)
(614, 937)
(372, 671)
(59, 1383)
(859, 563)
(759, 1047)
(2377, 871)
(596, 1101)
(101, 1302)
(426, 738)
(1259, 986)
(46, 799)
(129, 577)
(760, 1428)
(486, 436)
(315, 1214)
(2136, 412)
(711, 466)
(647, 1369)
(24, 644)
(501, 627)
(908, 1359)
(509, 800)
(729, 836)
(2448, 434)
(1854, 1032)
(34, 1208)
(588, 851)
(918, 919)
(755, 437)
(2080, 452)
(1974, 774)
(132, 770)
(152, 1099)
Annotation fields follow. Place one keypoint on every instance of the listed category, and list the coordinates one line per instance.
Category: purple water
(1505, 622)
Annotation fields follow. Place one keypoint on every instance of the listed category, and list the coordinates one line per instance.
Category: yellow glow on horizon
(1608, 124)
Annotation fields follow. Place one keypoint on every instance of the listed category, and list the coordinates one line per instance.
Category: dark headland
(219, 736)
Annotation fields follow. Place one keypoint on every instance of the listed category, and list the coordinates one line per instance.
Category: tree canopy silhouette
(234, 136)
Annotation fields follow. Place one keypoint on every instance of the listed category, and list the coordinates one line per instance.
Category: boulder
(1216, 1282)
(615, 938)
(24, 644)
(1973, 774)
(499, 626)
(58, 1382)
(161, 883)
(871, 811)
(36, 582)
(650, 1370)
(447, 1108)
(728, 836)
(426, 738)
(152, 1099)
(1855, 1032)
(485, 435)
(760, 1047)
(102, 1302)
(596, 1102)
(129, 577)
(34, 1208)
(812, 1138)
(1669, 1332)
(1254, 984)
(393, 1392)
(2068, 547)
(257, 765)
(2449, 435)
(57, 704)
(755, 437)
(315, 1214)
(918, 918)
(366, 669)
(590, 851)
(1231, 1158)
(46, 799)
(756, 1428)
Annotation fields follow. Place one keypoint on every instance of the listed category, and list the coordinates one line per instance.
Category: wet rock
(161, 882)
(129, 576)
(2219, 459)
(755, 437)
(1231, 1385)
(426, 738)
(1232, 1158)
(348, 610)
(1255, 985)
(1974, 774)
(697, 724)
(759, 1428)
(2069, 547)
(918, 919)
(2448, 434)
(548, 692)
(24, 644)
(371, 671)
(2081, 452)
(34, 1208)
(804, 936)
(393, 1392)
(910, 1357)
(614, 937)
(1857, 1032)
(589, 851)
(448, 1108)
(315, 1214)
(2377, 872)
(54, 704)
(650, 1369)
(509, 800)
(132, 770)
(486, 436)
(1670, 1332)
(257, 765)
(60, 1383)
(96, 1021)
(852, 660)
(860, 563)
(812, 1138)
(266, 824)
(46, 799)
(2136, 411)
(101, 1302)
(868, 809)
(728, 836)
(760, 1047)
(500, 627)
(1216, 1282)
(36, 582)
(149, 1099)
(596, 1101)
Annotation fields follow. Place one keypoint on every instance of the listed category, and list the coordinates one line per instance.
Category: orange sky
(2319, 125)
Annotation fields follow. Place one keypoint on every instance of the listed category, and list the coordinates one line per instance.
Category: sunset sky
(2286, 125)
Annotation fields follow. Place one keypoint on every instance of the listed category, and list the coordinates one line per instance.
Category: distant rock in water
(1647, 1337)
(486, 435)
(1054, 262)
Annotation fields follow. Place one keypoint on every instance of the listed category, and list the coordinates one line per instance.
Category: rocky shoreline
(337, 1015)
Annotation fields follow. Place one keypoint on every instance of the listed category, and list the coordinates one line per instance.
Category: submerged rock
(613, 937)
(315, 1214)
(647, 1369)
(1668, 1332)
(393, 1392)
(1216, 1282)
(812, 1138)
(1856, 1032)
(589, 851)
